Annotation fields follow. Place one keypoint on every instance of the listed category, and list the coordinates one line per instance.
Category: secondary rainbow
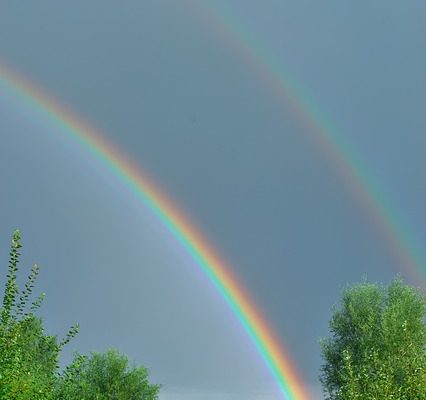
(355, 176)
(276, 359)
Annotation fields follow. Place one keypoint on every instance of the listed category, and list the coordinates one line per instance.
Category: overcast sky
(165, 83)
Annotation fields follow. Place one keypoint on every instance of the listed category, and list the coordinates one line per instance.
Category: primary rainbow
(355, 176)
(278, 362)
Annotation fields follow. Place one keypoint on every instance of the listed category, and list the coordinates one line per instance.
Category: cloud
(190, 394)
(178, 394)
(198, 394)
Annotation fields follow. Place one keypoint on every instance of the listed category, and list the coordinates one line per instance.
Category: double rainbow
(321, 131)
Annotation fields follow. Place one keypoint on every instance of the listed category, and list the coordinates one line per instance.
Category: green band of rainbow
(401, 241)
(278, 362)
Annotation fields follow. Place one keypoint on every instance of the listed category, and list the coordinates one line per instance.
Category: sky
(196, 94)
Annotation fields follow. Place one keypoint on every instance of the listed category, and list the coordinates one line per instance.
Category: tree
(28, 357)
(377, 349)
(105, 376)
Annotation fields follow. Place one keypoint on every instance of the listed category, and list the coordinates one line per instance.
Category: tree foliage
(377, 349)
(29, 358)
(106, 376)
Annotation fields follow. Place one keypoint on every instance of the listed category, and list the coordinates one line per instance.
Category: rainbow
(276, 359)
(354, 176)
(387, 221)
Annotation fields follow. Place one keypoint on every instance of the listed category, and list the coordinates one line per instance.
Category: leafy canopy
(377, 348)
(106, 376)
(29, 359)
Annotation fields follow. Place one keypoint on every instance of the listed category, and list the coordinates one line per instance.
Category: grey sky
(160, 82)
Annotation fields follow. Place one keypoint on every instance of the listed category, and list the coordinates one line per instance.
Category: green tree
(105, 376)
(28, 357)
(377, 349)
